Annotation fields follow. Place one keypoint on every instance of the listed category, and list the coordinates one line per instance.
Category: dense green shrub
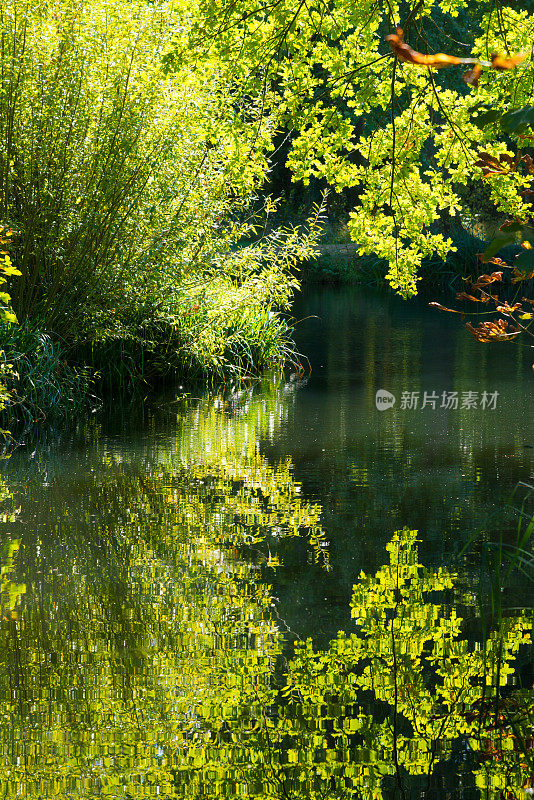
(116, 174)
(131, 184)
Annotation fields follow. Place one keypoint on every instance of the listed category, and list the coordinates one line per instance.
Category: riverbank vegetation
(128, 187)
(141, 146)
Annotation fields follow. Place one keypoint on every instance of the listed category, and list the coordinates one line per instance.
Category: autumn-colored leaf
(527, 300)
(465, 296)
(497, 261)
(485, 280)
(519, 276)
(492, 331)
(505, 62)
(487, 158)
(444, 308)
(471, 77)
(508, 159)
(506, 308)
(404, 52)
(494, 166)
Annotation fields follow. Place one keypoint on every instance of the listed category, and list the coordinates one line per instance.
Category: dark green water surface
(261, 595)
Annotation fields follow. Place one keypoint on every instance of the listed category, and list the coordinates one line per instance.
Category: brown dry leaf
(519, 276)
(465, 296)
(492, 331)
(404, 52)
(472, 76)
(444, 308)
(508, 159)
(506, 308)
(497, 261)
(491, 165)
(528, 300)
(485, 280)
(505, 62)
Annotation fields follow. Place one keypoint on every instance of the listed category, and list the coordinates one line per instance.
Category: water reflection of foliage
(429, 686)
(385, 706)
(146, 633)
(11, 592)
(147, 661)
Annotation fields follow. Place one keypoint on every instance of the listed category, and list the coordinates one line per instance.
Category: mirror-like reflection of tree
(430, 690)
(146, 633)
(142, 656)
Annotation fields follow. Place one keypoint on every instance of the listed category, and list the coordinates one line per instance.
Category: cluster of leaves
(7, 270)
(7, 316)
(517, 313)
(374, 115)
(517, 320)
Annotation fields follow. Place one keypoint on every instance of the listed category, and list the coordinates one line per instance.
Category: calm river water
(265, 594)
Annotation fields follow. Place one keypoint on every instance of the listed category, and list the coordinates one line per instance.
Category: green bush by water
(132, 184)
(212, 340)
(208, 341)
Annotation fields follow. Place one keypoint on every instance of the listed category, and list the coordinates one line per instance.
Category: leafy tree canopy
(363, 113)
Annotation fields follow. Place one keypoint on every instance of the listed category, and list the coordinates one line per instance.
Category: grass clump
(213, 336)
(39, 382)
